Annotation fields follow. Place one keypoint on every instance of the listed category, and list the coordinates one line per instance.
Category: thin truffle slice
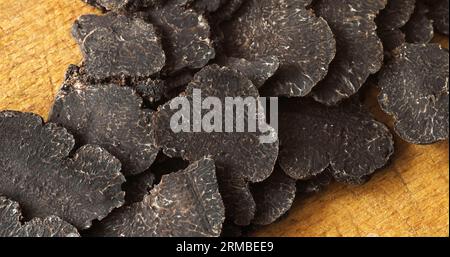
(11, 224)
(258, 71)
(391, 19)
(419, 28)
(185, 37)
(302, 42)
(345, 139)
(110, 116)
(414, 89)
(359, 51)
(273, 197)
(36, 170)
(240, 157)
(439, 15)
(115, 45)
(184, 204)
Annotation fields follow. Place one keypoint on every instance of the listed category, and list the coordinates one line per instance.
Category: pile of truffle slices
(108, 153)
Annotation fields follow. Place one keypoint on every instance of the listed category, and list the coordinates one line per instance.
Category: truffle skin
(115, 45)
(273, 197)
(184, 204)
(345, 139)
(414, 89)
(359, 51)
(35, 170)
(185, 37)
(303, 43)
(11, 223)
(239, 157)
(109, 116)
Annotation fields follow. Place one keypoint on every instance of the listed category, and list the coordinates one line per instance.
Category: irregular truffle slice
(11, 223)
(258, 71)
(414, 89)
(109, 116)
(419, 28)
(303, 43)
(240, 157)
(359, 51)
(184, 204)
(345, 139)
(273, 197)
(396, 14)
(35, 170)
(439, 15)
(114, 45)
(185, 37)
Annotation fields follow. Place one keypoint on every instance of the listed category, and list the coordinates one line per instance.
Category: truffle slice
(419, 28)
(414, 89)
(439, 15)
(273, 197)
(110, 116)
(185, 37)
(359, 51)
(36, 170)
(240, 157)
(11, 224)
(184, 204)
(396, 14)
(258, 71)
(303, 43)
(115, 45)
(345, 139)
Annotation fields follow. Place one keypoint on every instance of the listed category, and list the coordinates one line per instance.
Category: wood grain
(410, 197)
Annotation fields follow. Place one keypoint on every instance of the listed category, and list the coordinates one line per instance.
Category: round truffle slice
(241, 154)
(345, 139)
(185, 37)
(414, 89)
(109, 116)
(396, 14)
(359, 51)
(274, 197)
(439, 15)
(115, 45)
(258, 71)
(419, 28)
(184, 204)
(11, 224)
(302, 42)
(36, 171)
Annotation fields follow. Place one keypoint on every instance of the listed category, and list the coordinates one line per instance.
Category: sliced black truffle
(36, 170)
(273, 197)
(185, 37)
(345, 139)
(359, 51)
(414, 89)
(240, 157)
(115, 45)
(302, 42)
(258, 71)
(11, 224)
(315, 184)
(439, 15)
(391, 19)
(184, 204)
(110, 116)
(419, 28)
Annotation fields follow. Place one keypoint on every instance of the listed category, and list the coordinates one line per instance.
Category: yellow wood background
(408, 198)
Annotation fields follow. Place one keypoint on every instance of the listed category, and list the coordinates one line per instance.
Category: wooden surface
(408, 198)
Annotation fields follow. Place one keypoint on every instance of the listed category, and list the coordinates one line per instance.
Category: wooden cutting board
(408, 198)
